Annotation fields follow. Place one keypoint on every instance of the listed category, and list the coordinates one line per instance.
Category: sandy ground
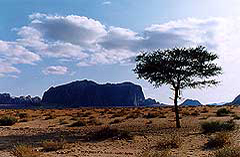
(41, 125)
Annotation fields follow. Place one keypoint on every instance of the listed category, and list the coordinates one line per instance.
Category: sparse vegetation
(151, 115)
(219, 140)
(78, 123)
(50, 145)
(169, 142)
(7, 120)
(214, 126)
(108, 133)
(222, 112)
(151, 153)
(228, 151)
(24, 151)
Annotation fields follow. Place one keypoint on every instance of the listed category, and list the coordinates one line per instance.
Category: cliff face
(89, 93)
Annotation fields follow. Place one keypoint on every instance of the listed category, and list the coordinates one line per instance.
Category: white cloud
(88, 42)
(11, 53)
(55, 70)
(106, 3)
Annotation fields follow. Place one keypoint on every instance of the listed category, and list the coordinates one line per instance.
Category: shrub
(78, 124)
(132, 115)
(170, 142)
(7, 121)
(22, 115)
(116, 121)
(23, 120)
(237, 117)
(228, 151)
(164, 153)
(214, 126)
(62, 121)
(108, 133)
(94, 122)
(205, 110)
(151, 115)
(218, 141)
(223, 112)
(50, 117)
(195, 113)
(24, 151)
(51, 145)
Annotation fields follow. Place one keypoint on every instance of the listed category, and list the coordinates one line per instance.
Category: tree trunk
(176, 108)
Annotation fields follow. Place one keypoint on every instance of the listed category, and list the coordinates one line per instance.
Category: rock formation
(88, 93)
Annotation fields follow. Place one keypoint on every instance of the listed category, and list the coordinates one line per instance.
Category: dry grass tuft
(24, 151)
(170, 142)
(164, 153)
(51, 145)
(228, 151)
(218, 141)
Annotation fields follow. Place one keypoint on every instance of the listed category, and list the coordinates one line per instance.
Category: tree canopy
(183, 67)
(180, 68)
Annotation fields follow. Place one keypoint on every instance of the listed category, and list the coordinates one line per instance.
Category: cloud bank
(88, 42)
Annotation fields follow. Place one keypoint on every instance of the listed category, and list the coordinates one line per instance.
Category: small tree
(180, 68)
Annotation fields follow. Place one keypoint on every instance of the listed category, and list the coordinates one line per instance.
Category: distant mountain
(149, 102)
(236, 101)
(217, 104)
(89, 93)
(6, 98)
(190, 102)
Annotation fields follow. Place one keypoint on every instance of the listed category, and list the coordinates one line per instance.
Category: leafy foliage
(178, 67)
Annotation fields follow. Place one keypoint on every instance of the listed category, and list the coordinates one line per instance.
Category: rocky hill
(190, 102)
(236, 101)
(6, 98)
(88, 93)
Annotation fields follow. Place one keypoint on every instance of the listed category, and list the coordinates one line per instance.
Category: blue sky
(51, 42)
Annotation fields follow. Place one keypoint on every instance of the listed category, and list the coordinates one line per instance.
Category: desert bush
(169, 142)
(24, 151)
(164, 153)
(94, 122)
(195, 113)
(22, 115)
(23, 120)
(237, 117)
(218, 141)
(108, 133)
(50, 116)
(185, 113)
(119, 114)
(214, 126)
(62, 121)
(223, 112)
(151, 115)
(78, 123)
(115, 121)
(7, 121)
(50, 145)
(148, 122)
(205, 110)
(228, 151)
(85, 114)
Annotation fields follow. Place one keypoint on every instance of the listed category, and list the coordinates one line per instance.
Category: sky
(46, 43)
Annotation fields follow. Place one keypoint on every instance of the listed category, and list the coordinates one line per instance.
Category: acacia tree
(180, 68)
